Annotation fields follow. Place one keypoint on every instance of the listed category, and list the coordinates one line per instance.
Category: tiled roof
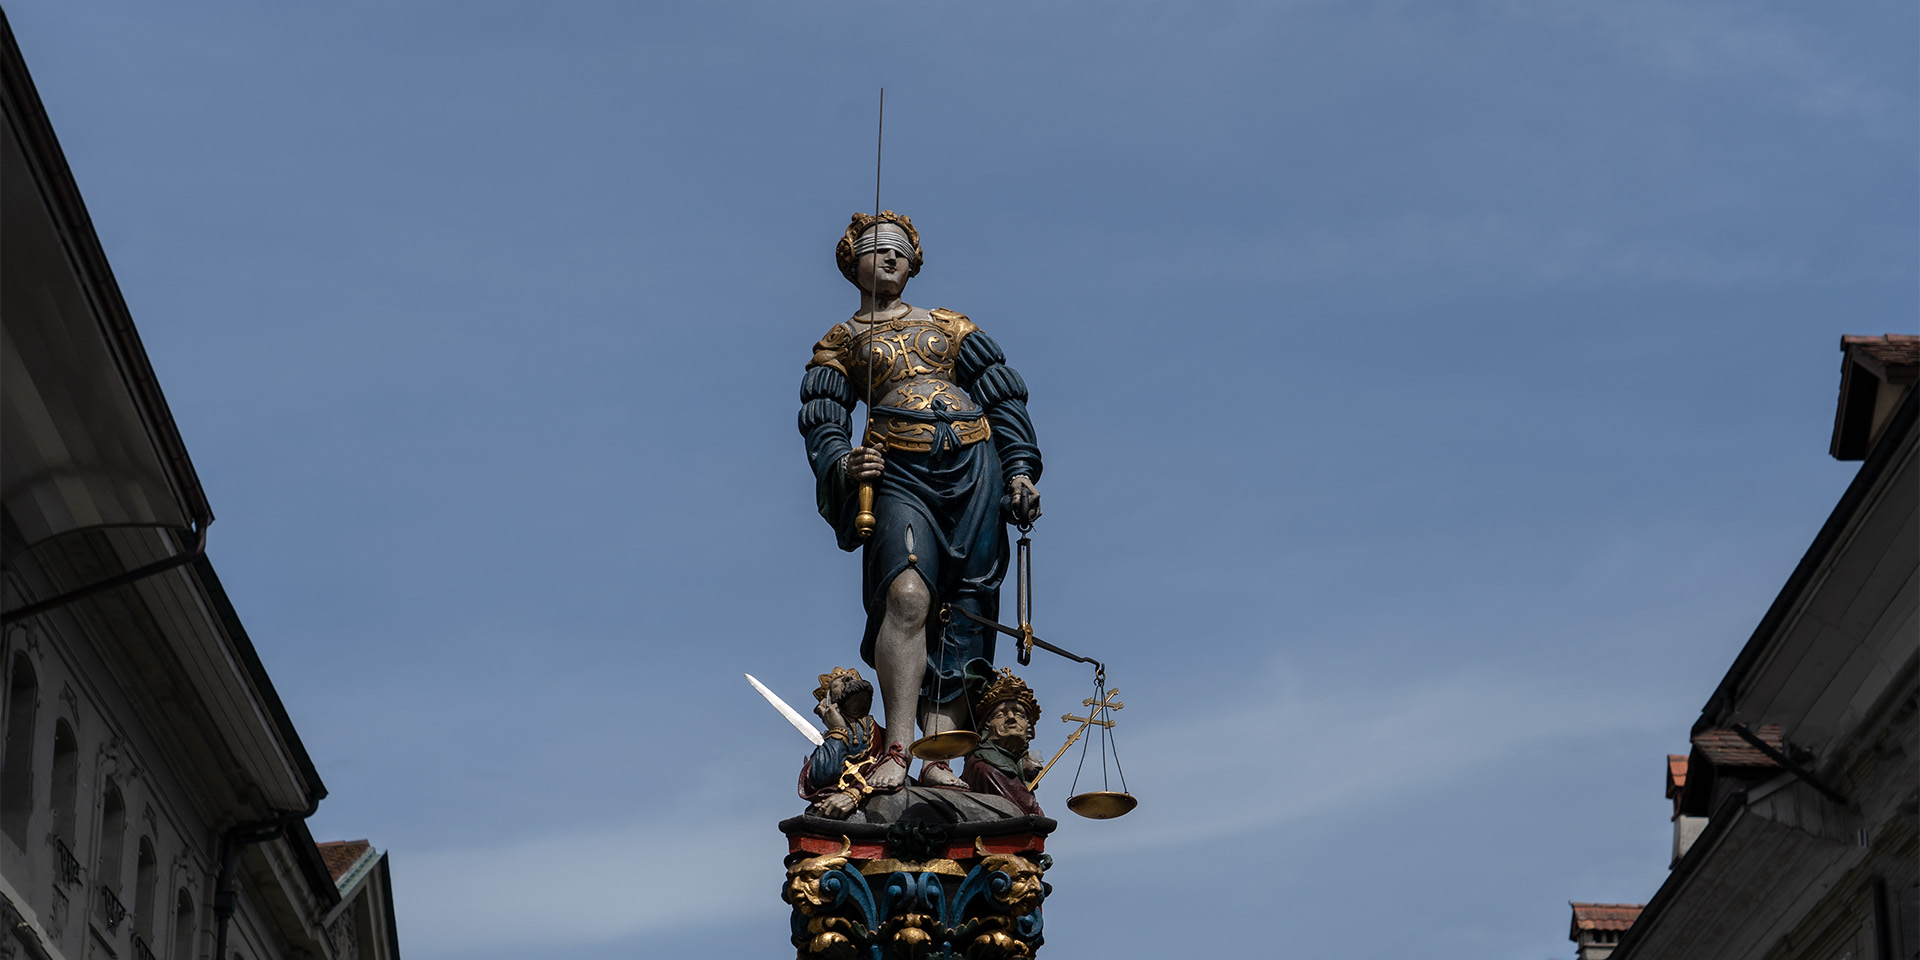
(1676, 773)
(341, 855)
(1892, 350)
(1605, 916)
(1724, 748)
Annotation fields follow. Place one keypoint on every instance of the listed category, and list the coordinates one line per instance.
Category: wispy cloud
(1737, 42)
(1473, 250)
(1512, 250)
(1293, 754)
(1282, 757)
(589, 886)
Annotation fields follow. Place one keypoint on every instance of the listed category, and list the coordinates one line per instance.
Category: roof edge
(1731, 811)
(386, 895)
(257, 673)
(1714, 713)
(358, 872)
(62, 195)
(312, 865)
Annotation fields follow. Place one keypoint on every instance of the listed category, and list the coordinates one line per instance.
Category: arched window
(106, 873)
(66, 787)
(183, 918)
(16, 767)
(66, 781)
(145, 872)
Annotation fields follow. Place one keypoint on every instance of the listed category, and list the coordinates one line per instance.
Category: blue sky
(1433, 396)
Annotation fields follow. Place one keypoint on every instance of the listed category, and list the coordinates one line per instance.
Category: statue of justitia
(951, 459)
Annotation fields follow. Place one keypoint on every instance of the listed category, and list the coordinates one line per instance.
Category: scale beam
(1024, 633)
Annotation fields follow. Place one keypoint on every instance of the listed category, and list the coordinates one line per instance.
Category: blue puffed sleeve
(828, 760)
(826, 421)
(983, 372)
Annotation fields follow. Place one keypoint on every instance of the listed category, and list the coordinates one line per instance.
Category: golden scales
(1102, 804)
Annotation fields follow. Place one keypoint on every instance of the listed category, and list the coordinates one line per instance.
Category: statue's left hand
(1026, 500)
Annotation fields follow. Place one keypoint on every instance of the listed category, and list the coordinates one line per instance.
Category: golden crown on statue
(1006, 686)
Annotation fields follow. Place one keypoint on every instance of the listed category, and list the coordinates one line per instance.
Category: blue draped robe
(942, 512)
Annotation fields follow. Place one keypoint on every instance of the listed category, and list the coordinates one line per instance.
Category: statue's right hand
(837, 806)
(865, 464)
(829, 713)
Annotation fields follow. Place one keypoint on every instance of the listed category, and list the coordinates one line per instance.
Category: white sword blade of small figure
(793, 716)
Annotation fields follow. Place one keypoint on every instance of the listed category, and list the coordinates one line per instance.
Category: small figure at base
(836, 777)
(1001, 764)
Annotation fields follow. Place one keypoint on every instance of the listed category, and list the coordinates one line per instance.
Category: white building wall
(111, 753)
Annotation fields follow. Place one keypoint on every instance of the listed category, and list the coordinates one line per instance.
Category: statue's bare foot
(938, 774)
(837, 807)
(890, 774)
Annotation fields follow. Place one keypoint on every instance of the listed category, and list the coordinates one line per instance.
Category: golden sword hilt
(864, 522)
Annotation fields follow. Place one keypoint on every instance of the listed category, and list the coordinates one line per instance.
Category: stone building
(153, 792)
(1797, 811)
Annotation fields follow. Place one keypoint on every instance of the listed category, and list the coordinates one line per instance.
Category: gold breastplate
(899, 350)
(908, 365)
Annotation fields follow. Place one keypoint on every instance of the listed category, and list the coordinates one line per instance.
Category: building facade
(1797, 811)
(153, 791)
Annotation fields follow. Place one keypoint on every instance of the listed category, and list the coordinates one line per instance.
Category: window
(66, 782)
(182, 928)
(66, 787)
(16, 767)
(144, 874)
(113, 829)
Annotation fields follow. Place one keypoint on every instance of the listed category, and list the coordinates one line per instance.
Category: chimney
(1597, 927)
(1686, 826)
(1875, 373)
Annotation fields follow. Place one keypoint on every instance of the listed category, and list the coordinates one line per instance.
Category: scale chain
(1105, 705)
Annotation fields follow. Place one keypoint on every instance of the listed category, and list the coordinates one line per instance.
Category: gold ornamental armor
(910, 361)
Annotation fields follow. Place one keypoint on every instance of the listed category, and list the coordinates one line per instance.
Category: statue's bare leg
(900, 661)
(939, 718)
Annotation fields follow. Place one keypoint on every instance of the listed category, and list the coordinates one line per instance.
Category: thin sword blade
(793, 716)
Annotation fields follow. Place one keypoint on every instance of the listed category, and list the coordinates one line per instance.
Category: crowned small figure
(1001, 763)
(834, 777)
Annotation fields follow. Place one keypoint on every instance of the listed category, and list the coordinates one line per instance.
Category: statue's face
(852, 705)
(857, 705)
(882, 272)
(1008, 722)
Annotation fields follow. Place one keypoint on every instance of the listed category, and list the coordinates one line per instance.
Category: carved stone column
(916, 890)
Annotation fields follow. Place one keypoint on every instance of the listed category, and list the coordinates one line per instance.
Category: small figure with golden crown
(1001, 764)
(834, 778)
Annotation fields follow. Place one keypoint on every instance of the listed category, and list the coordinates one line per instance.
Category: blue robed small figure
(951, 453)
(834, 776)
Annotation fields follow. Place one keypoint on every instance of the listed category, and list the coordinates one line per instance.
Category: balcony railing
(65, 864)
(140, 949)
(112, 911)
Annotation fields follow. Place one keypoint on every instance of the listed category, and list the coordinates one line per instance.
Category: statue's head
(880, 252)
(845, 688)
(1008, 710)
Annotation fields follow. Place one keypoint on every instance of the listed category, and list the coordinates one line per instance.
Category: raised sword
(793, 716)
